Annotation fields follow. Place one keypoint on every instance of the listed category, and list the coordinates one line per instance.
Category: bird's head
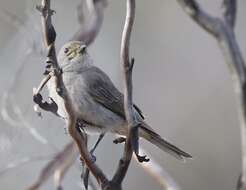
(73, 53)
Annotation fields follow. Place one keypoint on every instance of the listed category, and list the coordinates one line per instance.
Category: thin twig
(222, 30)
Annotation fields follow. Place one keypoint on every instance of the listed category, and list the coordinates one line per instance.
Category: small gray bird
(97, 102)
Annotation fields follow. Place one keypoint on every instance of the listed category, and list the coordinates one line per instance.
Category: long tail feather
(147, 133)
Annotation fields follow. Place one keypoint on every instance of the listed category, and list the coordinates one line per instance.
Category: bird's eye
(66, 50)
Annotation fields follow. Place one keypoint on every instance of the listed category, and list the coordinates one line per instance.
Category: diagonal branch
(192, 8)
(58, 165)
(78, 137)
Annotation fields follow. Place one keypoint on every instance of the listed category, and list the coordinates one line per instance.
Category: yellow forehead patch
(72, 51)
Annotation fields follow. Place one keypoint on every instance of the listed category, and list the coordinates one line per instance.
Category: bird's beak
(82, 48)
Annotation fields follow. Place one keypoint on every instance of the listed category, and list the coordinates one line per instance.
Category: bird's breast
(87, 108)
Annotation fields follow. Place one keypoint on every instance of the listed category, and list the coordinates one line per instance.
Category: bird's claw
(119, 140)
(142, 158)
(85, 175)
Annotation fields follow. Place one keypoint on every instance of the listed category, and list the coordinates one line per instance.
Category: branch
(88, 33)
(128, 104)
(222, 30)
(57, 166)
(207, 22)
(230, 10)
(78, 137)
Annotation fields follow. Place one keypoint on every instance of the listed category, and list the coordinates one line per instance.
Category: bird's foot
(135, 144)
(86, 172)
(85, 175)
(119, 140)
(142, 158)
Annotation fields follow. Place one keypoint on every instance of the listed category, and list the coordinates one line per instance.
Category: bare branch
(21, 162)
(96, 11)
(209, 23)
(230, 10)
(236, 64)
(222, 30)
(79, 138)
(128, 103)
(57, 166)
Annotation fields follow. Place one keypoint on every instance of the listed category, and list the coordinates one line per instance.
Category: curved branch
(96, 11)
(128, 104)
(225, 36)
(209, 23)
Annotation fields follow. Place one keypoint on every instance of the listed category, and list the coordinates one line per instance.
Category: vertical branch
(230, 10)
(128, 104)
(223, 31)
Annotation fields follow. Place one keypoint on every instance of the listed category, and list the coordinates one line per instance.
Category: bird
(96, 101)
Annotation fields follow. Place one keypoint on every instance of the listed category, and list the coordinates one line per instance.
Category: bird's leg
(86, 172)
(98, 141)
(135, 144)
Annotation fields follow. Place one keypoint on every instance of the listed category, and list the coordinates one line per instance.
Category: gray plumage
(96, 100)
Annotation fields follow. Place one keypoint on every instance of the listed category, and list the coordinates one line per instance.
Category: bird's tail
(148, 133)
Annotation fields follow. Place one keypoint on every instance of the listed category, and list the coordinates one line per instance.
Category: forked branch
(223, 31)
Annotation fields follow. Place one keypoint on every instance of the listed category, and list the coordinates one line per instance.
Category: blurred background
(180, 82)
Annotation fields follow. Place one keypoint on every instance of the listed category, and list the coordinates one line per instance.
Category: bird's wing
(103, 91)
